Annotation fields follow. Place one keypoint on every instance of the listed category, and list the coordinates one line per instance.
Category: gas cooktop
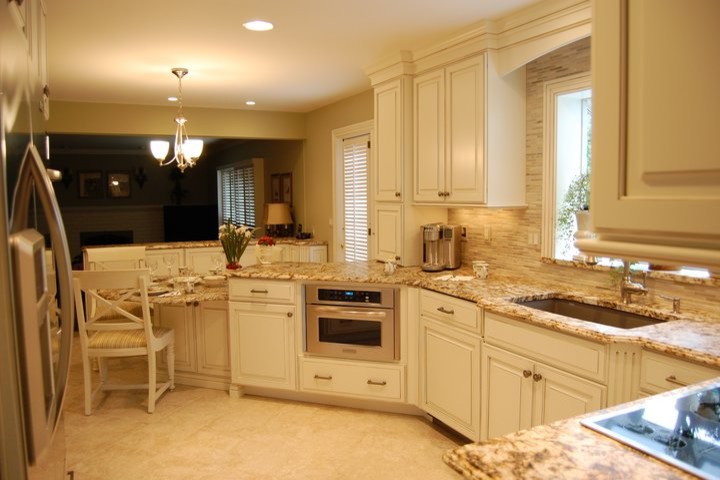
(682, 430)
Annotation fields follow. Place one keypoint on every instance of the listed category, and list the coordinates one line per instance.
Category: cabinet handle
(537, 377)
(258, 291)
(673, 379)
(381, 383)
(443, 310)
(527, 373)
(322, 377)
(440, 194)
(397, 194)
(289, 314)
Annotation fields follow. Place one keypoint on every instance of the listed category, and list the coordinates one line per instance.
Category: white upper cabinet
(468, 149)
(656, 168)
(390, 120)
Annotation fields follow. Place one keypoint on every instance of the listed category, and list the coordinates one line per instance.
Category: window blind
(355, 197)
(237, 195)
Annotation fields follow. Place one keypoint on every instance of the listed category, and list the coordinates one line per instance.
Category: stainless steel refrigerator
(36, 306)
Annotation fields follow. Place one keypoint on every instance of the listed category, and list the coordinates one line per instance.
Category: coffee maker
(441, 247)
(451, 246)
(432, 260)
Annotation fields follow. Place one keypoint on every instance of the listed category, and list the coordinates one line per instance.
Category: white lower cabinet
(450, 376)
(660, 373)
(202, 353)
(262, 338)
(519, 393)
(356, 379)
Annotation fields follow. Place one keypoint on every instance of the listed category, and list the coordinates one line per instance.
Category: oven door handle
(354, 313)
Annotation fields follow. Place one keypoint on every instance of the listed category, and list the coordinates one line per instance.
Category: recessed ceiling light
(258, 25)
(172, 99)
(250, 102)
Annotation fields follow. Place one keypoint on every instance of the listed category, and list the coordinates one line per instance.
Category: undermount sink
(591, 313)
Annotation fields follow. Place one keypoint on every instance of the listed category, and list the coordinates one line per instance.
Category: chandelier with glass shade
(186, 151)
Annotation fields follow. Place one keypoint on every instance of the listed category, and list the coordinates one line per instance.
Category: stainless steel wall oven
(357, 321)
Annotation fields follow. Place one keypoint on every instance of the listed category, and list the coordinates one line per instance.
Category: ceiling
(122, 51)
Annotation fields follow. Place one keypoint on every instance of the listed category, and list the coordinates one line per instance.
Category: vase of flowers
(265, 249)
(234, 239)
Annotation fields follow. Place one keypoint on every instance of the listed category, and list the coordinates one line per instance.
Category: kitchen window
(567, 153)
(236, 194)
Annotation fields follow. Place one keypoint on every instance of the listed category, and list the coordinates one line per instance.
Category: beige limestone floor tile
(204, 434)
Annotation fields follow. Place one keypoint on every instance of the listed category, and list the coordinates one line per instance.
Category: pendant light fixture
(186, 151)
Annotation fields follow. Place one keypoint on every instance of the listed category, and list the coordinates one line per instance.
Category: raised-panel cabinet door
(181, 319)
(213, 347)
(464, 158)
(507, 392)
(388, 237)
(389, 148)
(263, 348)
(559, 395)
(429, 137)
(200, 260)
(656, 169)
(450, 377)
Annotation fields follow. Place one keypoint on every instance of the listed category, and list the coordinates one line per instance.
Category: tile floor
(198, 433)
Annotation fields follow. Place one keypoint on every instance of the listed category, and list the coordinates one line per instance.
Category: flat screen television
(190, 222)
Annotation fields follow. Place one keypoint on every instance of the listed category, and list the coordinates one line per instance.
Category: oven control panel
(352, 296)
(338, 294)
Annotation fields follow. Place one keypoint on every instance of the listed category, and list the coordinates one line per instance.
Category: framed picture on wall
(286, 185)
(118, 184)
(281, 187)
(90, 185)
(275, 188)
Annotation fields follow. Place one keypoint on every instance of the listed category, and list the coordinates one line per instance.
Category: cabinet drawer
(659, 373)
(380, 382)
(262, 290)
(449, 309)
(572, 354)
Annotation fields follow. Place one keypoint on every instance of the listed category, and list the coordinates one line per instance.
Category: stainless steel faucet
(629, 287)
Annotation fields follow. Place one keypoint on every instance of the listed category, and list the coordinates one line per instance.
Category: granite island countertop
(565, 449)
(690, 335)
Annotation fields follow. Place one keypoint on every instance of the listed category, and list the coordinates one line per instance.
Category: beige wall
(318, 158)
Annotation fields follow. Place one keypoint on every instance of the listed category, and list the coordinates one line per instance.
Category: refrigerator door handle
(33, 179)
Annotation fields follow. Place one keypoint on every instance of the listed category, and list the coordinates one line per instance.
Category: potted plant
(234, 240)
(574, 214)
(265, 249)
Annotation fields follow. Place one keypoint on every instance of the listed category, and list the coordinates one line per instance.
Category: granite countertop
(564, 449)
(690, 335)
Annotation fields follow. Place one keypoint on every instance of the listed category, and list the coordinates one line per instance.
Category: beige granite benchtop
(564, 449)
(690, 335)
(208, 243)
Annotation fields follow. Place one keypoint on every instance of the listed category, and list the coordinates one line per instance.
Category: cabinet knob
(289, 314)
(537, 377)
(527, 373)
(440, 194)
(397, 194)
(196, 303)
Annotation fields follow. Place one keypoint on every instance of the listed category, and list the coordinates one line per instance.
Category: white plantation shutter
(355, 197)
(237, 195)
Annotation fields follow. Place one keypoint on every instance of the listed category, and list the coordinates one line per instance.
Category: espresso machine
(441, 247)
